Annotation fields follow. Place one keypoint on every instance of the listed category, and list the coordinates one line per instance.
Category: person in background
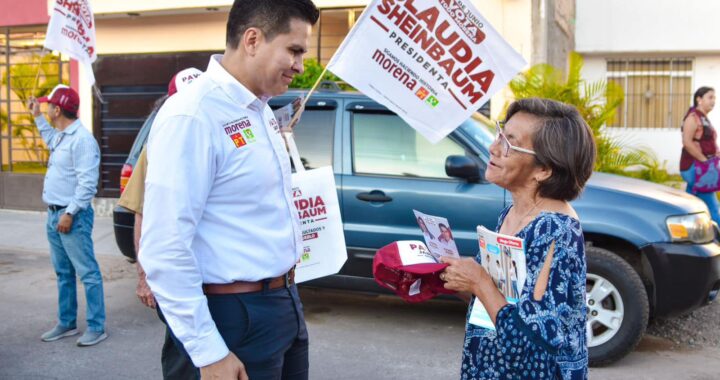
(70, 185)
(699, 140)
(174, 360)
(543, 156)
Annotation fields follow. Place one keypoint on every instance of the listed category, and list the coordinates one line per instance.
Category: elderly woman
(543, 155)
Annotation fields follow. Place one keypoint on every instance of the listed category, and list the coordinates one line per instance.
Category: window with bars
(25, 71)
(658, 92)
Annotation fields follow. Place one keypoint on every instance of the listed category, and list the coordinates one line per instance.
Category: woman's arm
(690, 126)
(465, 296)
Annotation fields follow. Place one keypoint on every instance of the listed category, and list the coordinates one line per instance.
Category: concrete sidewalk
(24, 231)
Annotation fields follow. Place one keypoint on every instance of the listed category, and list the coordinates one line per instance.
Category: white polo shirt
(218, 203)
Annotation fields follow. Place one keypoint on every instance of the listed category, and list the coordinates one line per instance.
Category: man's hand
(229, 367)
(34, 107)
(65, 223)
(298, 109)
(143, 290)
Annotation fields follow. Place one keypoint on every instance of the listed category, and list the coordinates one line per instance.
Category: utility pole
(553, 31)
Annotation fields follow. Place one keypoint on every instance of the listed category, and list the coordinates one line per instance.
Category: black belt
(56, 207)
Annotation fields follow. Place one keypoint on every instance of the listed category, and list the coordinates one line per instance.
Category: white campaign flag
(433, 62)
(72, 31)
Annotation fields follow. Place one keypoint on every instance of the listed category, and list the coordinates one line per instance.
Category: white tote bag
(315, 196)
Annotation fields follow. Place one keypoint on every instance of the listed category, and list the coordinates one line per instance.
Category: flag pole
(37, 74)
(317, 82)
(307, 96)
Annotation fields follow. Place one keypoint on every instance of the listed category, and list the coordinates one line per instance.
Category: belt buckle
(287, 279)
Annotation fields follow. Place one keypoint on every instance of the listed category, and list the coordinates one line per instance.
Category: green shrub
(313, 69)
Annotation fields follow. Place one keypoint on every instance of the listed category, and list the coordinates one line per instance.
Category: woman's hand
(465, 275)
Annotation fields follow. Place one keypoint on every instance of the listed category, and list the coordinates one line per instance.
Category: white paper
(432, 62)
(285, 114)
(437, 234)
(503, 257)
(414, 288)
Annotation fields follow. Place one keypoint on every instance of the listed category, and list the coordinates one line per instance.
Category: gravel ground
(701, 328)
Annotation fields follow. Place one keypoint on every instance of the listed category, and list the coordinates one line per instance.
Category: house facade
(140, 45)
(660, 52)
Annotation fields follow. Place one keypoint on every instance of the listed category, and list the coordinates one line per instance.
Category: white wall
(664, 142)
(707, 73)
(638, 26)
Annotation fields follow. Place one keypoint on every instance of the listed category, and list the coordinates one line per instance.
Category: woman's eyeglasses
(505, 143)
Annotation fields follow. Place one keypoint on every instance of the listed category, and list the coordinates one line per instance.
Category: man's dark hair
(68, 114)
(271, 16)
(562, 142)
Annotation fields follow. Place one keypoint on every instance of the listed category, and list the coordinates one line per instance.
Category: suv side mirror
(462, 167)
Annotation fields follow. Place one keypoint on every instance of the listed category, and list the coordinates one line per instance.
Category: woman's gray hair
(563, 142)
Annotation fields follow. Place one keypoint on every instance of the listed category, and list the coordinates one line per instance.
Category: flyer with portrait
(438, 235)
(285, 114)
(503, 257)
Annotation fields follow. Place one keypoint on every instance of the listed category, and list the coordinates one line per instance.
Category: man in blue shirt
(70, 184)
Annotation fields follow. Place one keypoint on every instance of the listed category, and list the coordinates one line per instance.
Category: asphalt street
(353, 336)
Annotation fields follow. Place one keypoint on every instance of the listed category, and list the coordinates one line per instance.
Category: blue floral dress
(537, 339)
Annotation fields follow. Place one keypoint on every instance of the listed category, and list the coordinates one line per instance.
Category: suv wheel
(617, 306)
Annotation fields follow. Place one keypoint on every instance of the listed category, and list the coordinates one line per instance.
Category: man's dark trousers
(265, 330)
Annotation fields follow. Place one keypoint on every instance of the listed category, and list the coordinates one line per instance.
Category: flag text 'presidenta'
(433, 32)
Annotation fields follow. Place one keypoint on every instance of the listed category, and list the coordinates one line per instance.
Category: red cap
(63, 97)
(409, 269)
(182, 79)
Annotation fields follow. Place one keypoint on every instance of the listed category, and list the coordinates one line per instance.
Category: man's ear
(251, 40)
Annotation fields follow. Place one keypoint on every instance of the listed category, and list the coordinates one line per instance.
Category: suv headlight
(694, 228)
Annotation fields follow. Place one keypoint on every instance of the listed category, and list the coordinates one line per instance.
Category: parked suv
(651, 250)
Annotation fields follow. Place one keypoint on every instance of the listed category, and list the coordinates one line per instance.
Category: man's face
(277, 61)
(52, 112)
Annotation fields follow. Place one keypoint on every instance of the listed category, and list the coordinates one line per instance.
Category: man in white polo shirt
(220, 233)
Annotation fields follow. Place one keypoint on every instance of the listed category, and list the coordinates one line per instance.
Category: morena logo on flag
(422, 93)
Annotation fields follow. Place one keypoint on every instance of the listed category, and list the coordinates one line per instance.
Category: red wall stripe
(25, 12)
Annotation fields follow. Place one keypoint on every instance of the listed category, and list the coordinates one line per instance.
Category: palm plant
(596, 102)
(22, 81)
(3, 119)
